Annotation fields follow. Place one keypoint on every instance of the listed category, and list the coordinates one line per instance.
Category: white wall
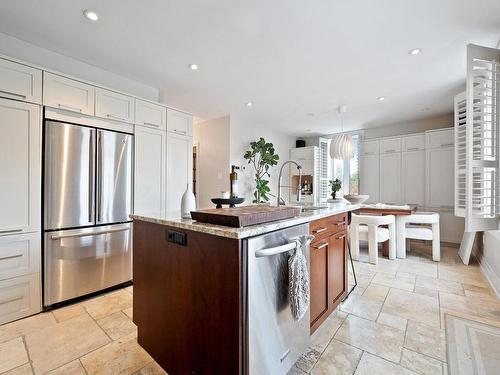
(212, 138)
(488, 254)
(417, 126)
(32, 54)
(242, 133)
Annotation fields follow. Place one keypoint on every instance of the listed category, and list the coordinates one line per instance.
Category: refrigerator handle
(91, 176)
(99, 175)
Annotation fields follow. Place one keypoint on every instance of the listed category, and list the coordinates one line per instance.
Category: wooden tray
(244, 216)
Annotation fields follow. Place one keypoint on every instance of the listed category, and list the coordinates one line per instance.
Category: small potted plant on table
(335, 186)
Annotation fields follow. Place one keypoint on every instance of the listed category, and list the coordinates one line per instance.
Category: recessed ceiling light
(193, 66)
(249, 104)
(381, 98)
(310, 114)
(91, 15)
(414, 51)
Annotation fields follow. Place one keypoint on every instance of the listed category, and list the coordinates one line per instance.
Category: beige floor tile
(322, 336)
(478, 289)
(373, 365)
(362, 306)
(487, 308)
(308, 359)
(359, 290)
(21, 370)
(440, 285)
(56, 345)
(27, 325)
(108, 304)
(426, 292)
(68, 312)
(372, 337)
(392, 321)
(463, 274)
(123, 356)
(129, 312)
(412, 306)
(427, 340)
(72, 368)
(376, 292)
(420, 363)
(12, 354)
(419, 268)
(394, 281)
(152, 368)
(296, 371)
(130, 289)
(117, 325)
(338, 358)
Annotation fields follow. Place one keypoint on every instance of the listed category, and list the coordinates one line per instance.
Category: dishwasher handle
(276, 250)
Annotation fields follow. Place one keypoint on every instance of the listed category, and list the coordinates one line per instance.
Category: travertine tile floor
(393, 323)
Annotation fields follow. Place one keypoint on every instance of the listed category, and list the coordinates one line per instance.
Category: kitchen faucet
(280, 200)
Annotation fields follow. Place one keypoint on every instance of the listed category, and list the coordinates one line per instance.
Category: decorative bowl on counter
(356, 199)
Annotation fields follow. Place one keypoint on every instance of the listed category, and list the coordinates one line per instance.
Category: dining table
(400, 213)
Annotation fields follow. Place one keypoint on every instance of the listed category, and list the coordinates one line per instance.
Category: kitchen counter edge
(250, 231)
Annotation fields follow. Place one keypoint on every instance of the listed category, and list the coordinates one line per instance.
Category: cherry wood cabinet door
(336, 268)
(319, 278)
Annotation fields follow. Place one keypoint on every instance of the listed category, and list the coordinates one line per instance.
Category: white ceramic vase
(188, 203)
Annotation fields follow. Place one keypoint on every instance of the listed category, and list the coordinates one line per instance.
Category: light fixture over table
(341, 146)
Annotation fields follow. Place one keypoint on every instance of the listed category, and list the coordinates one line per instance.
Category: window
(347, 171)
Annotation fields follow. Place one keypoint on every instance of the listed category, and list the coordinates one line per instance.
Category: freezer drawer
(82, 261)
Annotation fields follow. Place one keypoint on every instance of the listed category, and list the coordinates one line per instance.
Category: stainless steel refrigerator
(87, 202)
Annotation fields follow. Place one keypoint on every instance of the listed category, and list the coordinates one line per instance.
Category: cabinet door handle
(413, 149)
(180, 131)
(340, 237)
(10, 231)
(319, 230)
(151, 124)
(447, 144)
(323, 245)
(340, 223)
(13, 94)
(62, 106)
(114, 117)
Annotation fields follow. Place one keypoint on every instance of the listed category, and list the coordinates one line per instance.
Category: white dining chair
(369, 228)
(424, 226)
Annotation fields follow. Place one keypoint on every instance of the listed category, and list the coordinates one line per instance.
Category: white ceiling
(289, 57)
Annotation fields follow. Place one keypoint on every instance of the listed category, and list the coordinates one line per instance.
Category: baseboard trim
(490, 275)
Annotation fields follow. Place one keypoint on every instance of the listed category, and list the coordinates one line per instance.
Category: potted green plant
(262, 156)
(335, 186)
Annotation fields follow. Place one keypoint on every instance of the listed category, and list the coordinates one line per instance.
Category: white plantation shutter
(323, 169)
(477, 160)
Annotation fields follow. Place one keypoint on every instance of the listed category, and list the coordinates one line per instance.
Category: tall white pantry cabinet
(162, 163)
(413, 169)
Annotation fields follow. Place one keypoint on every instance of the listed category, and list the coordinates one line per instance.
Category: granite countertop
(250, 231)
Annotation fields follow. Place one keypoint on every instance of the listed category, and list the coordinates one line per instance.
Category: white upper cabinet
(413, 142)
(413, 177)
(369, 177)
(20, 167)
(369, 148)
(439, 138)
(149, 171)
(390, 145)
(68, 94)
(179, 122)
(150, 114)
(390, 178)
(179, 170)
(20, 82)
(114, 106)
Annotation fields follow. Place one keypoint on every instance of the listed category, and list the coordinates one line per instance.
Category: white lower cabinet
(19, 255)
(413, 177)
(179, 170)
(150, 171)
(390, 178)
(369, 177)
(19, 297)
(20, 167)
(440, 174)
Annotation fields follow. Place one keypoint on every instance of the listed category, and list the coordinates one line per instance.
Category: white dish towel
(298, 278)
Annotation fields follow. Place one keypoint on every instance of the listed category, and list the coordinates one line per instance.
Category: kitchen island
(203, 305)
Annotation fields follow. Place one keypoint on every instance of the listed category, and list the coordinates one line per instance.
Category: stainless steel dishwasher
(275, 339)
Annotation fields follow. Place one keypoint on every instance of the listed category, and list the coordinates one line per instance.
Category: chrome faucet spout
(280, 200)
